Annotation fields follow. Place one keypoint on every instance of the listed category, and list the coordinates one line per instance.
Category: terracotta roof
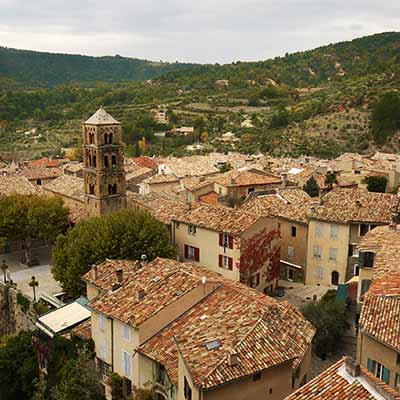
(380, 315)
(292, 204)
(43, 163)
(216, 218)
(146, 162)
(15, 184)
(162, 178)
(67, 185)
(262, 331)
(209, 198)
(246, 178)
(83, 330)
(41, 173)
(101, 117)
(73, 167)
(162, 206)
(106, 273)
(137, 173)
(77, 210)
(336, 383)
(344, 205)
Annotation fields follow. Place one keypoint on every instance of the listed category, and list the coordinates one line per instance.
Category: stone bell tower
(104, 175)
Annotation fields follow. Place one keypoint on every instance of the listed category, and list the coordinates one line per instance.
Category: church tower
(104, 175)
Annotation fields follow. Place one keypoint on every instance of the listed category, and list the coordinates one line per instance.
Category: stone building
(104, 175)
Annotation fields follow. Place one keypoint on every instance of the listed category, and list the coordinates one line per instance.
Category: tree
(80, 379)
(331, 179)
(330, 319)
(311, 187)
(18, 367)
(376, 184)
(280, 118)
(124, 235)
(385, 117)
(30, 217)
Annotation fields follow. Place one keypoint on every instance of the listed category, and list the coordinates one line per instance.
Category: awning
(291, 265)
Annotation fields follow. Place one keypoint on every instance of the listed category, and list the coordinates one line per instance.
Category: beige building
(289, 208)
(185, 332)
(241, 246)
(336, 226)
(379, 339)
(159, 183)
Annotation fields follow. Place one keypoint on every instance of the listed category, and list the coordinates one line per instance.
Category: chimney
(352, 367)
(233, 359)
(94, 272)
(115, 286)
(140, 294)
(321, 198)
(119, 274)
(143, 260)
(284, 179)
(189, 205)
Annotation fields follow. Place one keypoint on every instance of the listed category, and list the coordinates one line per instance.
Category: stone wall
(16, 311)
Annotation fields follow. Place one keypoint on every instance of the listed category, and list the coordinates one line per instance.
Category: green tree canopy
(79, 379)
(385, 117)
(330, 319)
(29, 217)
(311, 187)
(376, 183)
(18, 367)
(331, 179)
(127, 234)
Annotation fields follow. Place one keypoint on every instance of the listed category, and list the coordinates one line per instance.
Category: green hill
(47, 69)
(358, 57)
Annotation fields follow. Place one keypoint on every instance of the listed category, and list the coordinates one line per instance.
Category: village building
(241, 246)
(345, 380)
(41, 176)
(289, 208)
(74, 168)
(188, 333)
(378, 348)
(158, 183)
(160, 115)
(336, 226)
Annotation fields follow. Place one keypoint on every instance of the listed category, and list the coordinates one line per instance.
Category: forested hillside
(47, 69)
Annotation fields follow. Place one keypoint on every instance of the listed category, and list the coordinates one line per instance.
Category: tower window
(91, 138)
(94, 160)
(114, 160)
(110, 138)
(112, 189)
(106, 161)
(90, 160)
(105, 138)
(91, 188)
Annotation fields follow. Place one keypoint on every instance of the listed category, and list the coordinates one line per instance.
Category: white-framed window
(319, 272)
(126, 332)
(334, 232)
(103, 350)
(126, 363)
(319, 229)
(102, 322)
(290, 252)
(192, 230)
(225, 261)
(191, 252)
(317, 251)
(333, 252)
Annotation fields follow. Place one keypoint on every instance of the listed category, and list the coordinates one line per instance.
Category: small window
(290, 252)
(126, 363)
(214, 344)
(333, 252)
(113, 160)
(364, 229)
(294, 231)
(319, 229)
(225, 240)
(257, 377)
(126, 332)
(334, 231)
(38, 182)
(102, 322)
(177, 225)
(317, 251)
(250, 190)
(398, 358)
(187, 390)
(192, 230)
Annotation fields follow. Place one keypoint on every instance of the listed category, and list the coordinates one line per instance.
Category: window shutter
(220, 260)
(370, 365)
(186, 251)
(221, 239)
(361, 259)
(230, 261)
(197, 254)
(386, 375)
(230, 241)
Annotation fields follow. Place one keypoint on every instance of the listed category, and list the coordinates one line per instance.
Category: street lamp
(4, 268)
(34, 283)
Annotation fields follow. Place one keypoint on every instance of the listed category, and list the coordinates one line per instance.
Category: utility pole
(34, 283)
(4, 268)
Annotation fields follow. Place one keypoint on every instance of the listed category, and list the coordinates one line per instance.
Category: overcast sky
(190, 30)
